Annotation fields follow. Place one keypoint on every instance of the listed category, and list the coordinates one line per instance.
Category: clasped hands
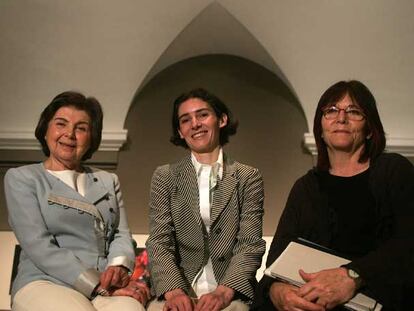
(178, 300)
(323, 290)
(115, 281)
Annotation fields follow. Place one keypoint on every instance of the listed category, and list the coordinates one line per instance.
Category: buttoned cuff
(87, 282)
(122, 261)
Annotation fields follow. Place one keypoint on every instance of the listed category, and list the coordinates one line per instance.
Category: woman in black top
(358, 201)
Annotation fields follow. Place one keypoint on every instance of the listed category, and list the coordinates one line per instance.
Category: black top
(351, 211)
(387, 262)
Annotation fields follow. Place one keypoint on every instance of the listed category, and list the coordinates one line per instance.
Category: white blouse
(72, 178)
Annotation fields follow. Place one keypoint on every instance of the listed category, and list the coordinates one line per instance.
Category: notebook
(310, 259)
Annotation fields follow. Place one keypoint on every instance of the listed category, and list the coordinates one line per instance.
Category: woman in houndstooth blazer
(205, 241)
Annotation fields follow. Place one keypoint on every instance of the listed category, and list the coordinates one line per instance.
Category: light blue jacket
(65, 237)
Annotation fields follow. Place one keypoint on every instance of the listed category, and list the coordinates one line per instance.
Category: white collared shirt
(207, 176)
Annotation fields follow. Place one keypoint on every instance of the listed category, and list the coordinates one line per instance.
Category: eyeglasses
(351, 113)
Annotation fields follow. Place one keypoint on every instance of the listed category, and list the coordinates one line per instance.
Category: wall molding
(114, 140)
(25, 140)
(403, 146)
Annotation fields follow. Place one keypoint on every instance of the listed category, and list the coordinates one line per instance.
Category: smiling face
(343, 134)
(68, 138)
(199, 125)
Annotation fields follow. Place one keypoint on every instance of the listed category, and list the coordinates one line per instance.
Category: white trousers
(48, 296)
(236, 305)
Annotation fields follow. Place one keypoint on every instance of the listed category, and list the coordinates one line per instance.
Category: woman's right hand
(114, 277)
(285, 298)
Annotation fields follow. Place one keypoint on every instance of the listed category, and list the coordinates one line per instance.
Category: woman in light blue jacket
(69, 219)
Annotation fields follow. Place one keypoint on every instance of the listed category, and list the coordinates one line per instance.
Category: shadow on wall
(271, 127)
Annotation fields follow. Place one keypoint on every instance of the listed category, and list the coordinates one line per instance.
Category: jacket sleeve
(250, 246)
(161, 243)
(121, 250)
(389, 268)
(25, 217)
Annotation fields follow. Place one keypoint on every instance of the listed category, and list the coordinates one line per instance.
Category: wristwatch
(356, 277)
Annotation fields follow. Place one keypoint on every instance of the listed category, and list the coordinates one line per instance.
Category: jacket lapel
(94, 188)
(224, 189)
(187, 187)
(63, 194)
(59, 189)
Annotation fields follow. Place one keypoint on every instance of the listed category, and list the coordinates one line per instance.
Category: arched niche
(215, 31)
(270, 133)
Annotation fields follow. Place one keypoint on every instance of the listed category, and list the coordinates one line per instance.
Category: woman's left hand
(114, 277)
(327, 288)
(217, 300)
(134, 289)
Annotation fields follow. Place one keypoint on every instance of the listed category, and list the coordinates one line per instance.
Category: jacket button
(95, 179)
(111, 210)
(218, 231)
(107, 197)
(221, 259)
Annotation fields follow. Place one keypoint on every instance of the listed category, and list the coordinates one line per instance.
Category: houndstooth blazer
(178, 244)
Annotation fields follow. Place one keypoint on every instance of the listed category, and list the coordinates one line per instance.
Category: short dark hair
(70, 98)
(215, 103)
(361, 96)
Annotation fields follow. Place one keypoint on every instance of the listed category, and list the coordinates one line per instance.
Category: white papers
(297, 256)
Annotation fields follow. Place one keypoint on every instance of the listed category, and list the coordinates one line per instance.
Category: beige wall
(269, 135)
(114, 51)
(120, 52)
(109, 48)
